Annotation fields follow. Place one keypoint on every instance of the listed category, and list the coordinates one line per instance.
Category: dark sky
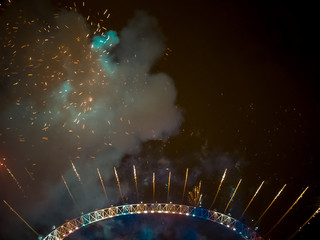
(247, 79)
(246, 75)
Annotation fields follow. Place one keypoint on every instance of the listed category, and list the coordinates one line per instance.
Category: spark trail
(215, 197)
(135, 180)
(18, 215)
(234, 192)
(30, 174)
(102, 184)
(288, 211)
(169, 178)
(274, 199)
(153, 185)
(195, 197)
(78, 94)
(251, 199)
(70, 194)
(76, 172)
(115, 172)
(185, 184)
(306, 222)
(13, 177)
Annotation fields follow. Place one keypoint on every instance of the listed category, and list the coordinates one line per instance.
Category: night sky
(204, 85)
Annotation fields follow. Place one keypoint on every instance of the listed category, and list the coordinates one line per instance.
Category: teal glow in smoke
(103, 44)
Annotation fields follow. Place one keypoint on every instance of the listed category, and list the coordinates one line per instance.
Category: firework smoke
(71, 95)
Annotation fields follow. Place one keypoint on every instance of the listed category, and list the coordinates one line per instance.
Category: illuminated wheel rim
(152, 208)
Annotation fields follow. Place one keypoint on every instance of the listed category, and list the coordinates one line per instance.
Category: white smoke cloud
(62, 103)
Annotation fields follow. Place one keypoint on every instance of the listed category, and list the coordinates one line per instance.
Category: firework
(252, 199)
(185, 184)
(169, 178)
(18, 215)
(232, 196)
(135, 180)
(288, 210)
(215, 197)
(259, 219)
(154, 185)
(30, 174)
(195, 197)
(76, 172)
(13, 177)
(313, 215)
(64, 88)
(119, 186)
(102, 184)
(70, 194)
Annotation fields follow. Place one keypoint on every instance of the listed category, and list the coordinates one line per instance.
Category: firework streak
(215, 197)
(115, 172)
(252, 199)
(135, 180)
(185, 184)
(65, 183)
(270, 205)
(195, 197)
(102, 184)
(313, 215)
(18, 215)
(232, 196)
(13, 177)
(288, 211)
(168, 186)
(153, 186)
(76, 172)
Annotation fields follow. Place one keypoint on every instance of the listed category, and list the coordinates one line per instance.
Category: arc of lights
(166, 208)
(73, 225)
(274, 199)
(287, 211)
(252, 199)
(215, 197)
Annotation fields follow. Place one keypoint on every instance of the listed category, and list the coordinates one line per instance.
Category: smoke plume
(74, 101)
